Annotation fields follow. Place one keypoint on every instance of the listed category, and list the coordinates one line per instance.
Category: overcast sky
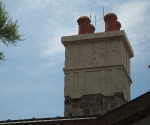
(32, 79)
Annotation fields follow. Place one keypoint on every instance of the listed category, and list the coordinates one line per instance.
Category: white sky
(32, 80)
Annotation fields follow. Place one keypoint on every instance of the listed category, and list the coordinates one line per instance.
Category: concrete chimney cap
(84, 18)
(110, 15)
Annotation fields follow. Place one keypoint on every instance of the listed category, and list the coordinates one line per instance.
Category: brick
(81, 99)
(99, 98)
(120, 95)
(113, 105)
(75, 105)
(113, 98)
(67, 100)
(94, 105)
(95, 113)
(88, 98)
(119, 100)
(95, 110)
(86, 111)
(85, 104)
(106, 100)
(66, 114)
(78, 112)
(67, 107)
(104, 107)
(119, 103)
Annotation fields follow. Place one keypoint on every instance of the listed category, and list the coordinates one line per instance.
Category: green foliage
(8, 29)
(2, 56)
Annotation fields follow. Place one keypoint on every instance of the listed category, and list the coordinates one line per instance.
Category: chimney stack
(92, 28)
(97, 68)
(118, 25)
(84, 25)
(110, 21)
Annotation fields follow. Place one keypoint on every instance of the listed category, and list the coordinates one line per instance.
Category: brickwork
(93, 104)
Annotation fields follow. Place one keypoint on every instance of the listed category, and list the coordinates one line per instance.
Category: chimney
(84, 25)
(118, 25)
(110, 21)
(97, 68)
(92, 28)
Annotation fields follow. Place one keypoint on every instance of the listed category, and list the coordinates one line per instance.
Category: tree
(8, 29)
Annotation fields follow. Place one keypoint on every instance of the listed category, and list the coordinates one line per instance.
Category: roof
(130, 112)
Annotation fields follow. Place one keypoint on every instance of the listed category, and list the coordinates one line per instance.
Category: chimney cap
(84, 18)
(110, 15)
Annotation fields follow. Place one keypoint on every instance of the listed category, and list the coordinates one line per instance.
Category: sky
(32, 79)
